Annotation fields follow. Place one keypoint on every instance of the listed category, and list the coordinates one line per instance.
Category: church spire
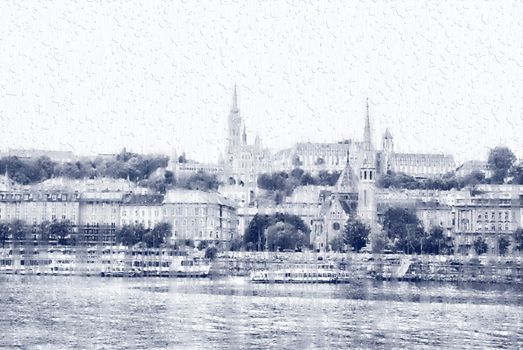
(7, 179)
(234, 107)
(367, 139)
(347, 181)
(235, 123)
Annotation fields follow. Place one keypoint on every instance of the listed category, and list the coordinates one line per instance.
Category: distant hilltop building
(472, 166)
(186, 168)
(242, 162)
(413, 164)
(316, 157)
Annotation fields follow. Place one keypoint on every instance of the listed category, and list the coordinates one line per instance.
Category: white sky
(93, 77)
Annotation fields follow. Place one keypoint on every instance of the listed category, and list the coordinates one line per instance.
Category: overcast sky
(93, 77)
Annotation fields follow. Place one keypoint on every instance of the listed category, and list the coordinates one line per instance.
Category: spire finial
(366, 133)
(234, 106)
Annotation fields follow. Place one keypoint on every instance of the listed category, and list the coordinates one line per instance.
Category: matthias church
(359, 163)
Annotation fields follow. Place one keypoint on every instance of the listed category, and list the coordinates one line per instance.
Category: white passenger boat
(186, 266)
(303, 273)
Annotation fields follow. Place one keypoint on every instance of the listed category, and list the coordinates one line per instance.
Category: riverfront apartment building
(35, 207)
(96, 215)
(487, 211)
(200, 216)
(141, 209)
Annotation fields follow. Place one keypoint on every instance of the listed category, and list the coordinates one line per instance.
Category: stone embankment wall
(375, 266)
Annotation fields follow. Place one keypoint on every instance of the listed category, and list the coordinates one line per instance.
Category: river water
(54, 312)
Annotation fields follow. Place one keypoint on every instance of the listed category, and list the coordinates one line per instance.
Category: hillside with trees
(141, 169)
(281, 184)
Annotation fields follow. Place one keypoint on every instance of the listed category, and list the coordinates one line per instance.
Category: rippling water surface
(80, 312)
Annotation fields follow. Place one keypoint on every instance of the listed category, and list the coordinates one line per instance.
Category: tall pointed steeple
(7, 179)
(244, 136)
(347, 181)
(234, 125)
(367, 138)
(234, 106)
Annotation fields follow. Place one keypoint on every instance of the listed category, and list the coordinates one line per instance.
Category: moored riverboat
(300, 273)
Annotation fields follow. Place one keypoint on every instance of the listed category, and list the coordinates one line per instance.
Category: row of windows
(501, 215)
(179, 211)
(137, 213)
(148, 223)
(45, 196)
(195, 234)
(34, 219)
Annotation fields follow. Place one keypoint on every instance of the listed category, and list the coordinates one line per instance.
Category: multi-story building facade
(413, 164)
(489, 211)
(200, 216)
(143, 210)
(35, 207)
(99, 217)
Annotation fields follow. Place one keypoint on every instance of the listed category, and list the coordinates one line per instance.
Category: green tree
(503, 244)
(517, 175)
(130, 235)
(202, 245)
(518, 239)
(18, 231)
(326, 178)
(501, 159)
(404, 229)
(236, 244)
(61, 231)
(4, 233)
(158, 235)
(436, 242)
(284, 236)
(480, 246)
(44, 231)
(254, 237)
(338, 244)
(378, 242)
(356, 234)
(211, 252)
(200, 181)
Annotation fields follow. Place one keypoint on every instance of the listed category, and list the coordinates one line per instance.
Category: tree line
(125, 165)
(19, 232)
(201, 180)
(65, 233)
(404, 233)
(282, 184)
(120, 166)
(276, 232)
